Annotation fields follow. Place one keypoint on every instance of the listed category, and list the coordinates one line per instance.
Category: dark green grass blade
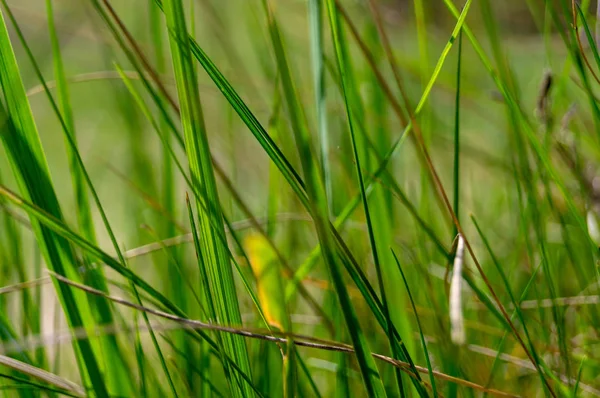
(426, 352)
(456, 173)
(210, 303)
(576, 386)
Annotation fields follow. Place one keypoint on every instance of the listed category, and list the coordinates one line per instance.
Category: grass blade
(218, 266)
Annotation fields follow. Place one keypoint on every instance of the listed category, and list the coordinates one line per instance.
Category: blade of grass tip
(176, 266)
(320, 211)
(222, 286)
(349, 96)
(425, 351)
(24, 149)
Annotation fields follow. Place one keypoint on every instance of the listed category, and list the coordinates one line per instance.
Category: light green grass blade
(22, 143)
(315, 18)
(218, 266)
(26, 155)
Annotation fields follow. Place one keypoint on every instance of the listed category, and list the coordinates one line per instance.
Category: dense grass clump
(314, 199)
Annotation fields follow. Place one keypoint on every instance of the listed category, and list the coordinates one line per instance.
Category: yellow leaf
(266, 268)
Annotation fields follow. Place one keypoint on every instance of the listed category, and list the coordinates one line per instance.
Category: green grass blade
(423, 343)
(220, 274)
(26, 155)
(316, 46)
